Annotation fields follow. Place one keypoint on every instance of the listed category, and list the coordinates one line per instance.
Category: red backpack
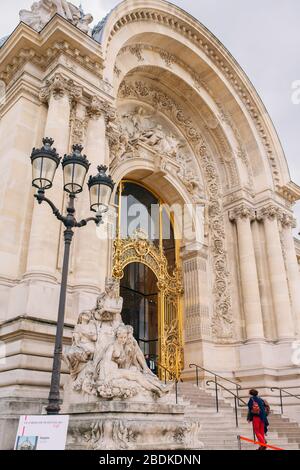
(267, 407)
(255, 408)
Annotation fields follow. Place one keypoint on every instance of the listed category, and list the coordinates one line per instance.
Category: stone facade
(147, 65)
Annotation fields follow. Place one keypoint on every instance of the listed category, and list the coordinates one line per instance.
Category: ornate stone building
(151, 93)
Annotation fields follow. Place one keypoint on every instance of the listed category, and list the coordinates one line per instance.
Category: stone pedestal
(10, 411)
(120, 425)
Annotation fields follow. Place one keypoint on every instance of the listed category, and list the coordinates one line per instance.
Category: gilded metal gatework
(139, 249)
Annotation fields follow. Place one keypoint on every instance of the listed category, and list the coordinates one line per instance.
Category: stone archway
(205, 177)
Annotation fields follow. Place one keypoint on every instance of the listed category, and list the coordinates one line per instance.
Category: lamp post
(45, 162)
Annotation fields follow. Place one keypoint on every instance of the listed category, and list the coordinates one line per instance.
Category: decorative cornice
(290, 192)
(242, 212)
(48, 56)
(58, 87)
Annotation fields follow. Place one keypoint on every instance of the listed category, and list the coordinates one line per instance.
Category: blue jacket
(262, 413)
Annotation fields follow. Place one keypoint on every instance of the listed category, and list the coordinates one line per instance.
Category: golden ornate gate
(170, 289)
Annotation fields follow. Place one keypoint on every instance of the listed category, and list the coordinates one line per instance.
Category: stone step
(225, 411)
(219, 430)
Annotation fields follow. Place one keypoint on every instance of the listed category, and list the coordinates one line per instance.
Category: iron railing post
(236, 413)
(239, 443)
(281, 401)
(237, 394)
(197, 377)
(217, 398)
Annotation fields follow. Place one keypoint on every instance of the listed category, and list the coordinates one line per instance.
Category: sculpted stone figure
(42, 11)
(105, 359)
(134, 357)
(83, 344)
(115, 372)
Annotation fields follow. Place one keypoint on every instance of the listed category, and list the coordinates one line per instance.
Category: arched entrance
(145, 261)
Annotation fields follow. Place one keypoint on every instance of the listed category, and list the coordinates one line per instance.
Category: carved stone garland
(222, 320)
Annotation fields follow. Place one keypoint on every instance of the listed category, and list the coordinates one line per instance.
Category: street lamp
(100, 186)
(45, 162)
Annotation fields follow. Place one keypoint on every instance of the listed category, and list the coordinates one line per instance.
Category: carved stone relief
(211, 123)
(222, 319)
(78, 125)
(142, 131)
(126, 434)
(59, 86)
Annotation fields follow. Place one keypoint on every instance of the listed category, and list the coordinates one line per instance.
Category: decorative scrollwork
(170, 286)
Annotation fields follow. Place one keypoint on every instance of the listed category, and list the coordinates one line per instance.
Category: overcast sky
(262, 35)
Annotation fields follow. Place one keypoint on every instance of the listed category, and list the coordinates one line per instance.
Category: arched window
(140, 209)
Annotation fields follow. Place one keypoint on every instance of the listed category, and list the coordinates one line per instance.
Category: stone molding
(290, 192)
(45, 58)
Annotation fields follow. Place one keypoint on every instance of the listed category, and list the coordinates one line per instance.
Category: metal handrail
(172, 377)
(148, 340)
(216, 376)
(237, 399)
(213, 373)
(282, 396)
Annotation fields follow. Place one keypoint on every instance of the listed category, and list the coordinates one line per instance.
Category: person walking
(257, 414)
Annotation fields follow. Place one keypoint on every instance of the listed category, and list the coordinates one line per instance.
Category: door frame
(138, 249)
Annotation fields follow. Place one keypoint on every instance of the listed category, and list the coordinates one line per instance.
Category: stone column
(277, 272)
(242, 216)
(288, 223)
(263, 281)
(45, 229)
(91, 242)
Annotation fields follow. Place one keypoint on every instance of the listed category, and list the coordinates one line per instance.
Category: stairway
(219, 431)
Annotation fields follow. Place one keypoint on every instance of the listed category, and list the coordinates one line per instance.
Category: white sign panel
(43, 432)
